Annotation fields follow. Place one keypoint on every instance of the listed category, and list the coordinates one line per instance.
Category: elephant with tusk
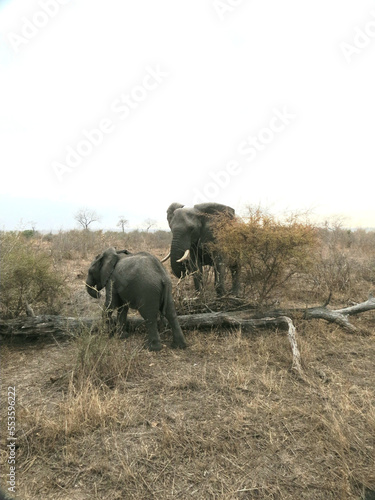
(192, 230)
(138, 281)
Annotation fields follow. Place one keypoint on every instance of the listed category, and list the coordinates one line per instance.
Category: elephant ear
(108, 262)
(170, 211)
(214, 208)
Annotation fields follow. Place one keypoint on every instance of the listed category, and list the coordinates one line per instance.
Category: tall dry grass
(224, 419)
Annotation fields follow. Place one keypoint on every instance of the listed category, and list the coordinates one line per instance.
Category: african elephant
(192, 235)
(138, 281)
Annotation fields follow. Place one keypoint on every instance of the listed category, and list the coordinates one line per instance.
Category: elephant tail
(165, 296)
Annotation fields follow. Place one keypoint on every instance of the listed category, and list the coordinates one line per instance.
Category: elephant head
(170, 211)
(191, 230)
(100, 271)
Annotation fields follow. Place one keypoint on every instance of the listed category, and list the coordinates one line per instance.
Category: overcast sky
(127, 106)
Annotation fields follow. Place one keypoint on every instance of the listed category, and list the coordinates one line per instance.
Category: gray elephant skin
(192, 229)
(138, 281)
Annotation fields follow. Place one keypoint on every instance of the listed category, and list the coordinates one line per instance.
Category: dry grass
(224, 419)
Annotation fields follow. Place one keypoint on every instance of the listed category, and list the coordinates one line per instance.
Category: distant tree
(123, 223)
(29, 233)
(148, 223)
(86, 216)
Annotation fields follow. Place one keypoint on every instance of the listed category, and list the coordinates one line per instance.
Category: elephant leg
(171, 315)
(149, 312)
(235, 271)
(121, 317)
(107, 317)
(111, 303)
(197, 272)
(219, 278)
(198, 280)
(154, 343)
(109, 321)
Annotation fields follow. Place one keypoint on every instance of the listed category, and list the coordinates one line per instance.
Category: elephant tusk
(166, 257)
(185, 256)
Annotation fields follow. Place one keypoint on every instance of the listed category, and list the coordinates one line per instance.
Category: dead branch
(338, 316)
(368, 305)
(292, 336)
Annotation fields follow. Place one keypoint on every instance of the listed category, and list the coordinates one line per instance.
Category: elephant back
(214, 209)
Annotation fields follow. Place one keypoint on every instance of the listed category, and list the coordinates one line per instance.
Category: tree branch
(338, 316)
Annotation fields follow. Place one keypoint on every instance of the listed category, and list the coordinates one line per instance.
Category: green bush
(29, 233)
(28, 278)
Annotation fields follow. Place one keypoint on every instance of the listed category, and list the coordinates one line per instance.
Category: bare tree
(33, 225)
(148, 223)
(123, 223)
(86, 216)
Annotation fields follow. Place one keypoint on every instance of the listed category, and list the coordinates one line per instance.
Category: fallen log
(57, 326)
(43, 326)
(49, 326)
(230, 320)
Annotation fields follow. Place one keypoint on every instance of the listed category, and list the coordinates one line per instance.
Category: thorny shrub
(28, 277)
(345, 260)
(269, 251)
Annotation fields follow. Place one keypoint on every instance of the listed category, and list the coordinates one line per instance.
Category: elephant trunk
(91, 287)
(178, 250)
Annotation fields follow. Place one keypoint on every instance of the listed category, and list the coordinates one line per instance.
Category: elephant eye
(191, 225)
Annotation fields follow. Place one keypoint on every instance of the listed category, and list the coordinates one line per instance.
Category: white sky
(224, 78)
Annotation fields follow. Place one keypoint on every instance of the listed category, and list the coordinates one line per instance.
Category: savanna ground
(227, 418)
